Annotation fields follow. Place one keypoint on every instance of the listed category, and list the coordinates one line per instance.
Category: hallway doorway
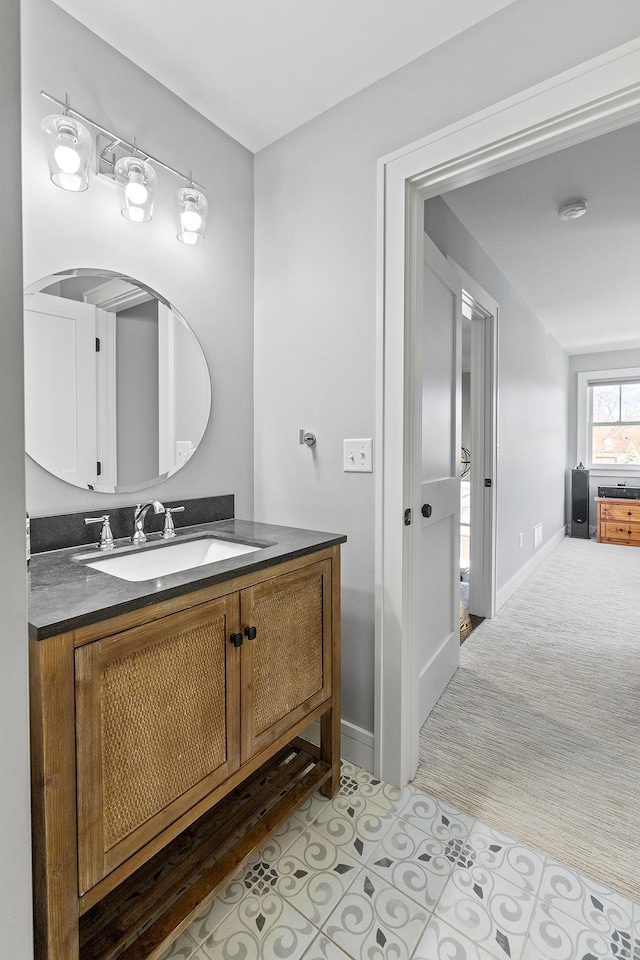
(577, 105)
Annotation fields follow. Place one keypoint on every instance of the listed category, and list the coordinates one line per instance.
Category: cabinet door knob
(236, 639)
(250, 633)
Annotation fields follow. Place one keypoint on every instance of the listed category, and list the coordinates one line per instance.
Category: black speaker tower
(580, 504)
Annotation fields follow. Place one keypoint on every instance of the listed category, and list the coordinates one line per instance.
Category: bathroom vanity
(166, 719)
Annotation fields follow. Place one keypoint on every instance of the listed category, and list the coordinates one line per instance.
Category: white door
(436, 590)
(60, 387)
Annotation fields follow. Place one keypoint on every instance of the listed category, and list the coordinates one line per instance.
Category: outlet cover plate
(358, 456)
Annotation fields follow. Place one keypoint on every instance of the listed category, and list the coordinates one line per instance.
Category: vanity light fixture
(136, 181)
(69, 148)
(192, 214)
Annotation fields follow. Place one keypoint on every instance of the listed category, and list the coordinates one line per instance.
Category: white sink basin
(158, 561)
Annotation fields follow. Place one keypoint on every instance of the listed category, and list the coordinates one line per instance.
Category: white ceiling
(260, 69)
(579, 277)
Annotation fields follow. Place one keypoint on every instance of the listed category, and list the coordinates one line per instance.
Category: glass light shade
(136, 181)
(69, 146)
(192, 215)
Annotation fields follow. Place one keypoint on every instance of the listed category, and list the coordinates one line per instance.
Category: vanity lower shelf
(142, 916)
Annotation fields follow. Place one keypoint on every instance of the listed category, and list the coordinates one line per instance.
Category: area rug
(538, 732)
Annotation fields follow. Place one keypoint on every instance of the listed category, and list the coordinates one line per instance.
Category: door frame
(598, 96)
(484, 443)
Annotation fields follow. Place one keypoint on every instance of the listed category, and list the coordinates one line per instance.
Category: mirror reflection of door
(118, 391)
(60, 386)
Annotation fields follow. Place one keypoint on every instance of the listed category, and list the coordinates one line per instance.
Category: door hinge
(97, 344)
(407, 518)
(487, 481)
(98, 468)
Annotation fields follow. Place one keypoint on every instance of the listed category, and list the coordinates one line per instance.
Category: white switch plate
(358, 456)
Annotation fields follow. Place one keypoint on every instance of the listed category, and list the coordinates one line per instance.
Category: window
(614, 422)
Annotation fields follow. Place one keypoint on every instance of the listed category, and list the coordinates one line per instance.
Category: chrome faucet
(139, 516)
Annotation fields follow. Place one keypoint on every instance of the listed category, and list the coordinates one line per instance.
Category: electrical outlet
(537, 536)
(358, 456)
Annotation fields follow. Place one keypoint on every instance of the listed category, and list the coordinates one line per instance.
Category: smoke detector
(572, 210)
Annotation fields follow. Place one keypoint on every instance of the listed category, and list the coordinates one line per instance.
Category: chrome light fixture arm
(116, 139)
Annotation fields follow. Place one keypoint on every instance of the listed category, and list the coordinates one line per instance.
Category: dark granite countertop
(65, 594)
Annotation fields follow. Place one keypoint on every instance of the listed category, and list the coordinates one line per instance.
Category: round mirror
(117, 389)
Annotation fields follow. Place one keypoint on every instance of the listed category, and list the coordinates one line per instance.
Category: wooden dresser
(618, 521)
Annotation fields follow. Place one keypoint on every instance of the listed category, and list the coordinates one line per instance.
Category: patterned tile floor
(384, 874)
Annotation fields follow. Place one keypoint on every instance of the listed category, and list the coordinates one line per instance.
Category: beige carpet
(538, 733)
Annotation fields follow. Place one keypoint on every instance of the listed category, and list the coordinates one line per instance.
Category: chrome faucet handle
(169, 529)
(106, 536)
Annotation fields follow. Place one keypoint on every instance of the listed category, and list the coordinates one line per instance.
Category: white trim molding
(356, 744)
(115, 295)
(597, 96)
(523, 574)
(484, 443)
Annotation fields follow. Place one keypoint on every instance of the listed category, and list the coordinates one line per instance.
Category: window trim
(585, 379)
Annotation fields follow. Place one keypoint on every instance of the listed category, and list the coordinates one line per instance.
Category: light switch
(358, 456)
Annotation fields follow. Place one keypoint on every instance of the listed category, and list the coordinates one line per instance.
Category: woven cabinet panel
(163, 724)
(287, 656)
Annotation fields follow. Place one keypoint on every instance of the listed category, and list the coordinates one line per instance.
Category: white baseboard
(439, 672)
(356, 744)
(504, 593)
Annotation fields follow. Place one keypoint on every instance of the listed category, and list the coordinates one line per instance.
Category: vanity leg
(330, 750)
(330, 721)
(55, 876)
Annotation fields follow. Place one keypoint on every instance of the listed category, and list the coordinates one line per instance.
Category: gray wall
(210, 284)
(137, 425)
(611, 360)
(532, 403)
(15, 863)
(316, 275)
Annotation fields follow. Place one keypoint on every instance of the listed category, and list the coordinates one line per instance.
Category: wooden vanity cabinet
(160, 732)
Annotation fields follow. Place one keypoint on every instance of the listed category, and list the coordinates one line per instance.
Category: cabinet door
(286, 666)
(156, 727)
